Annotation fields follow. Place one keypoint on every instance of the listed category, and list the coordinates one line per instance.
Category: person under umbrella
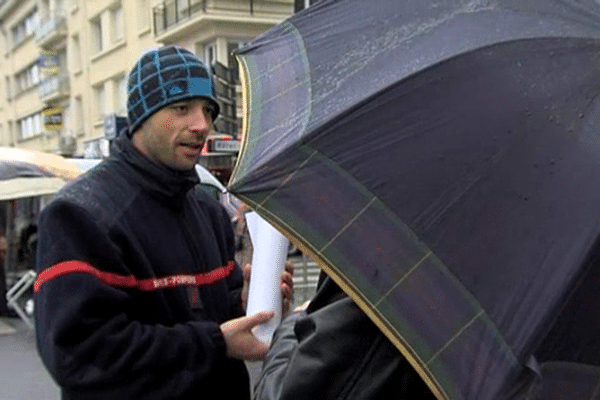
(329, 349)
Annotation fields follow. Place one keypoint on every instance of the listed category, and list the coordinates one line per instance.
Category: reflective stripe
(130, 281)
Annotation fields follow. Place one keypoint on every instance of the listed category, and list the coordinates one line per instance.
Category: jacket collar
(157, 179)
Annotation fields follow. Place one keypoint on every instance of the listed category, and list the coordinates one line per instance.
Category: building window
(121, 95)
(210, 53)
(25, 28)
(5, 42)
(75, 53)
(107, 29)
(97, 36)
(66, 115)
(100, 101)
(78, 123)
(232, 64)
(28, 78)
(11, 136)
(185, 8)
(118, 29)
(143, 15)
(30, 126)
(8, 89)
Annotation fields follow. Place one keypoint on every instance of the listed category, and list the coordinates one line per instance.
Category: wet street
(23, 376)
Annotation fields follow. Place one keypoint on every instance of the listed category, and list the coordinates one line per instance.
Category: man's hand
(287, 286)
(240, 341)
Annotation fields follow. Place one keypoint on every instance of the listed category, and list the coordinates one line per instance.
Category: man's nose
(201, 121)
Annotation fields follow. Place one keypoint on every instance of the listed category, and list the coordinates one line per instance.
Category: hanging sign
(52, 118)
(48, 62)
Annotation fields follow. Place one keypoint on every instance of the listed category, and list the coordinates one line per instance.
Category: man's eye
(181, 108)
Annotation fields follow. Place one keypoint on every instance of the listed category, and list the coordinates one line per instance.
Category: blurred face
(174, 135)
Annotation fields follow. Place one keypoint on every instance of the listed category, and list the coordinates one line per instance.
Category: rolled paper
(268, 260)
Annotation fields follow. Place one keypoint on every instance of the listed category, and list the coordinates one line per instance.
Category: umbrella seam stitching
(459, 333)
(349, 224)
(418, 264)
(287, 179)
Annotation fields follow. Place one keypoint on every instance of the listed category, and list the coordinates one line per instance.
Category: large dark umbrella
(441, 161)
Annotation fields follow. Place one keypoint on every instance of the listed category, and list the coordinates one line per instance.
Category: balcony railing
(52, 28)
(170, 13)
(54, 87)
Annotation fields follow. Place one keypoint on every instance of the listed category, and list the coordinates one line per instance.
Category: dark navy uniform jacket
(136, 271)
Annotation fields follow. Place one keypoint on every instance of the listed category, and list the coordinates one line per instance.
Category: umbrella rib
(287, 179)
(402, 279)
(348, 224)
(460, 332)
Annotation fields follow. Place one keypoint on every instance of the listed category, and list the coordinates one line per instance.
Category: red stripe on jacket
(130, 281)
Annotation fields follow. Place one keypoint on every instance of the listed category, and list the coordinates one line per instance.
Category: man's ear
(137, 136)
(140, 128)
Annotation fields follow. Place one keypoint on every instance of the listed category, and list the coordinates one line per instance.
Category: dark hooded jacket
(136, 272)
(334, 351)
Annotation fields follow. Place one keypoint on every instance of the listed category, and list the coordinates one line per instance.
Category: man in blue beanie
(138, 295)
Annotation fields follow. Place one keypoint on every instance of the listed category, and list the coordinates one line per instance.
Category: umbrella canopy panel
(440, 162)
(303, 72)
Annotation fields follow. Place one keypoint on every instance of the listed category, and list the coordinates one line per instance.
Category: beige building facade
(64, 63)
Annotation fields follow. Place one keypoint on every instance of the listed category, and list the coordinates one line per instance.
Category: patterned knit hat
(163, 76)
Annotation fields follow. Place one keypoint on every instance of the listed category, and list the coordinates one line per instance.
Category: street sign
(224, 146)
(113, 124)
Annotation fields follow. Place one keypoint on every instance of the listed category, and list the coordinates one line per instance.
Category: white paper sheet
(268, 260)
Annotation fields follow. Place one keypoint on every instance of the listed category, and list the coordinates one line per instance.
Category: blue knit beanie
(163, 76)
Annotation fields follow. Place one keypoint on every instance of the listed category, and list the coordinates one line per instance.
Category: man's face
(174, 135)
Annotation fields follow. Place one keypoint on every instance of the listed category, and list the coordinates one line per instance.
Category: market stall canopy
(28, 173)
(440, 161)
